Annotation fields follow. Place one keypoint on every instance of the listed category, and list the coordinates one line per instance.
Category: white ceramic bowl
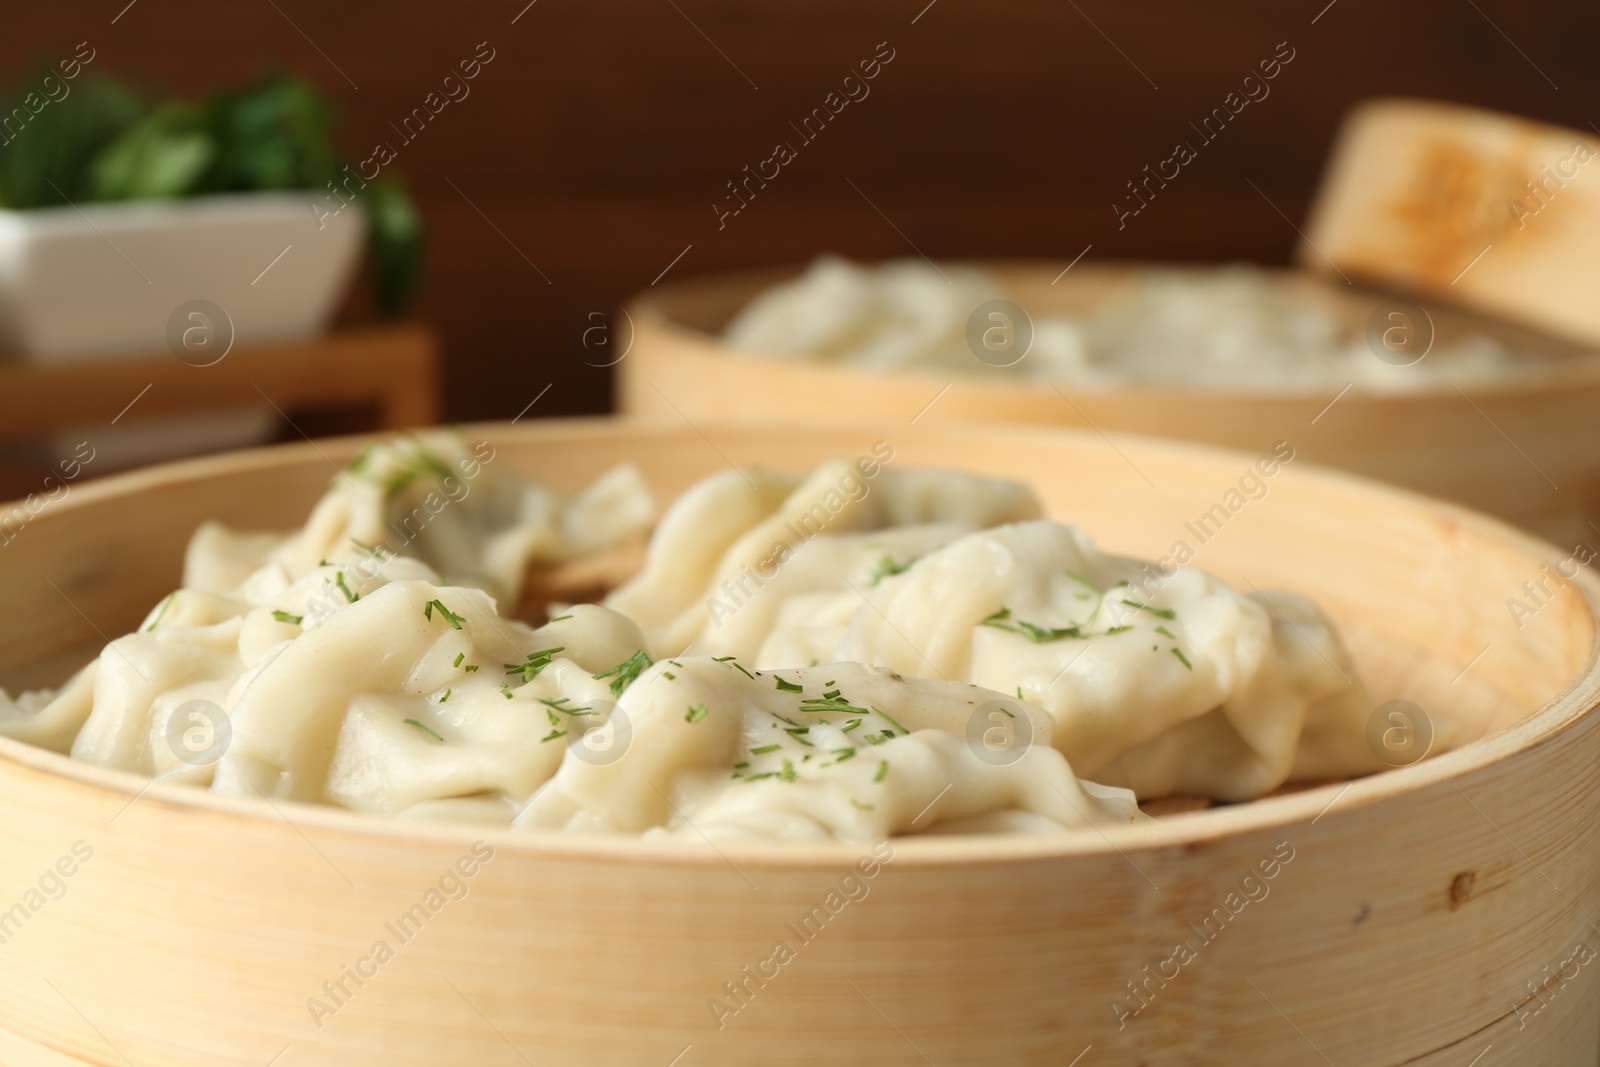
(89, 281)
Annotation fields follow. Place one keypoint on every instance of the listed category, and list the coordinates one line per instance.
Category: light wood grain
(1419, 905)
(1527, 451)
(394, 368)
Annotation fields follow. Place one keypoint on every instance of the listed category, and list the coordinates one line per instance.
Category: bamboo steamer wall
(1427, 913)
(1527, 451)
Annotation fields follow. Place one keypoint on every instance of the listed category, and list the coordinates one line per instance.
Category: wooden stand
(394, 367)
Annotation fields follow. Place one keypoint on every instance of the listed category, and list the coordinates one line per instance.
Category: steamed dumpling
(898, 314)
(1179, 685)
(743, 555)
(430, 497)
(364, 684)
(840, 751)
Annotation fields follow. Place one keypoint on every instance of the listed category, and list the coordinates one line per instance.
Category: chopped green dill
(627, 672)
(559, 618)
(1165, 613)
(696, 712)
(878, 739)
(1116, 630)
(842, 754)
(741, 766)
(555, 720)
(890, 720)
(505, 690)
(552, 735)
(161, 612)
(425, 729)
(1182, 658)
(764, 749)
(284, 616)
(669, 676)
(998, 617)
(851, 725)
(862, 807)
(449, 616)
(469, 668)
(831, 701)
(536, 663)
(446, 696)
(1164, 632)
(1081, 580)
(1019, 693)
(735, 661)
(758, 777)
(556, 704)
(789, 687)
(1040, 635)
(883, 771)
(888, 568)
(349, 596)
(788, 771)
(1033, 632)
(1007, 711)
(459, 657)
(433, 464)
(366, 549)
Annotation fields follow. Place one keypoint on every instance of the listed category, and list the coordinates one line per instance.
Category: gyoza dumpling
(895, 314)
(704, 747)
(418, 693)
(1179, 685)
(364, 684)
(746, 559)
(430, 497)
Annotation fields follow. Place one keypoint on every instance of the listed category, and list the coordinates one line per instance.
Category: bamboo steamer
(1527, 451)
(1426, 913)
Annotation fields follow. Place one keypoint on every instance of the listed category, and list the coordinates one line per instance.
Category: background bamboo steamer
(1527, 451)
(1485, 209)
(1427, 913)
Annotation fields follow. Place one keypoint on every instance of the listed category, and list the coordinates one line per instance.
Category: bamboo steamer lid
(1484, 209)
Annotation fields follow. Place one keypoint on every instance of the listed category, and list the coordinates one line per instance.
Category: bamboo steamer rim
(1573, 365)
(1575, 701)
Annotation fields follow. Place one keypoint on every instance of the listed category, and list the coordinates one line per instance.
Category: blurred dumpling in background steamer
(1226, 328)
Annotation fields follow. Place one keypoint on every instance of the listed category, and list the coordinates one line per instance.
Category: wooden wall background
(598, 138)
